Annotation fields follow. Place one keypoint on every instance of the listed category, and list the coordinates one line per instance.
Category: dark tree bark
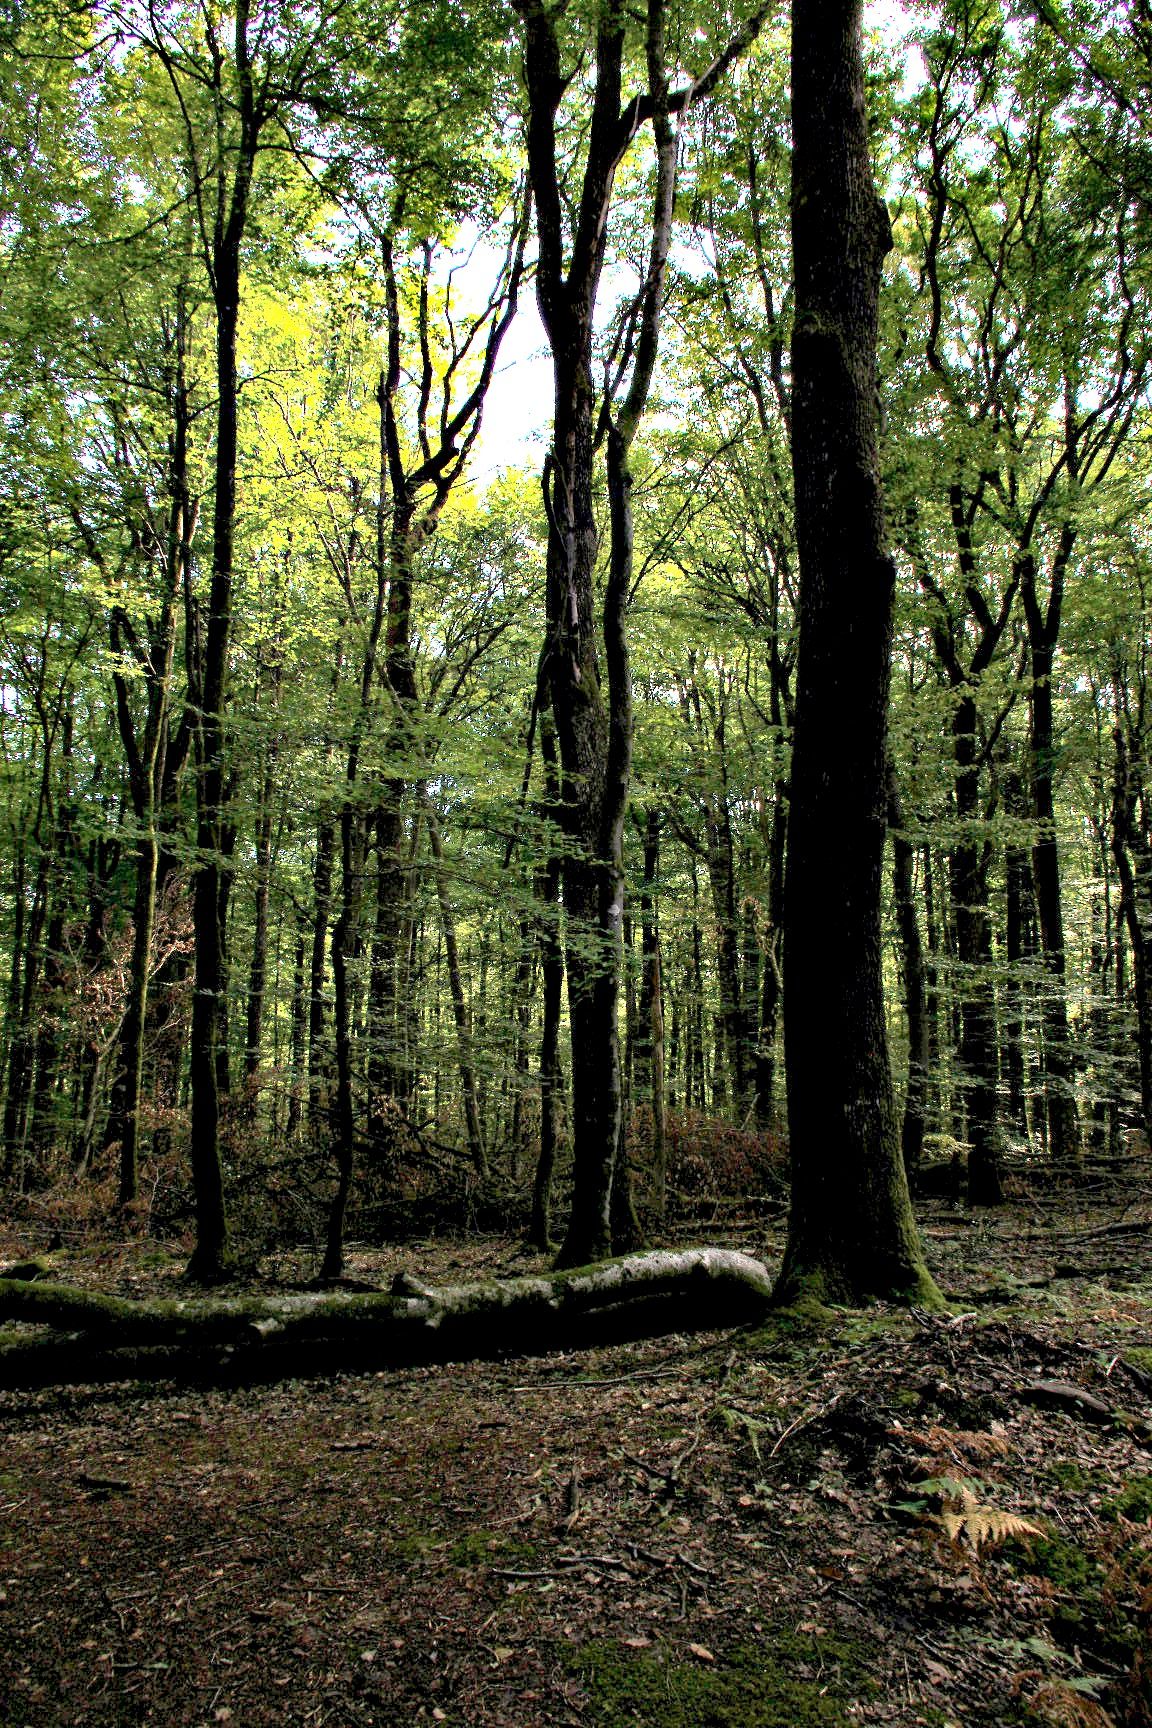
(1043, 621)
(552, 974)
(1018, 948)
(851, 1233)
(299, 1031)
(915, 996)
(459, 1001)
(208, 659)
(594, 722)
(1132, 852)
(966, 641)
(95, 1336)
(265, 822)
(649, 1052)
(979, 1048)
(318, 1051)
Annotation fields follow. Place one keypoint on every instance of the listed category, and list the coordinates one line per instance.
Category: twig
(805, 1421)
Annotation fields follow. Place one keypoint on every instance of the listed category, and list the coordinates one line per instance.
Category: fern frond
(985, 1526)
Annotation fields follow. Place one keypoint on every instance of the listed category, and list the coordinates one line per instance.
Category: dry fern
(965, 1517)
(1059, 1706)
(959, 1443)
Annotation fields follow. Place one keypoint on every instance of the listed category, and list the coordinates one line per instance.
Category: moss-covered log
(52, 1332)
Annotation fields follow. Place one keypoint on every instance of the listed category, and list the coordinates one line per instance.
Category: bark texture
(851, 1231)
(94, 1336)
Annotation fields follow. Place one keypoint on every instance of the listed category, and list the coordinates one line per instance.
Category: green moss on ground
(786, 1681)
(1133, 1502)
(490, 1548)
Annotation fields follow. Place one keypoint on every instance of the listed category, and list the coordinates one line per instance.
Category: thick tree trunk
(594, 725)
(851, 1232)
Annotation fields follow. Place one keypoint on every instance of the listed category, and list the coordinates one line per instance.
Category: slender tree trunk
(211, 1258)
(771, 994)
(851, 1232)
(1133, 858)
(318, 1051)
(552, 974)
(258, 969)
(522, 992)
(299, 1032)
(1060, 1065)
(1018, 885)
(915, 1004)
(459, 1003)
(979, 1050)
(650, 1027)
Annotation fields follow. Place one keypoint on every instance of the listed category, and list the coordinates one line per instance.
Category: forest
(312, 808)
(575, 590)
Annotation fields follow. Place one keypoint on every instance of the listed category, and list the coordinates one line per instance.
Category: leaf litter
(874, 1520)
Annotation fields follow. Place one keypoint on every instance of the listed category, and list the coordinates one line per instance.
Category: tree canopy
(395, 827)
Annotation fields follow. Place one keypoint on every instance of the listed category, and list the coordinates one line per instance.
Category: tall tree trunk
(1060, 1066)
(318, 1050)
(915, 1004)
(459, 1003)
(851, 1233)
(594, 724)
(552, 974)
(649, 1065)
(771, 993)
(212, 1255)
(979, 1050)
(1018, 946)
(150, 756)
(1133, 857)
(299, 1032)
(258, 969)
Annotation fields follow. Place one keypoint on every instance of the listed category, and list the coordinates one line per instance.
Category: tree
(594, 728)
(851, 1233)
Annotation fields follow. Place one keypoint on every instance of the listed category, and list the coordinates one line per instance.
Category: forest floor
(873, 1517)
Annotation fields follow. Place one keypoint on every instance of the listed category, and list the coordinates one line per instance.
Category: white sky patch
(518, 413)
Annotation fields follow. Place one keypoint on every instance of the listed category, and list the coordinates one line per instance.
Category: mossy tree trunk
(92, 1335)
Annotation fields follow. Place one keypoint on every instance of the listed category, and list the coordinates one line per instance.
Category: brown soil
(867, 1518)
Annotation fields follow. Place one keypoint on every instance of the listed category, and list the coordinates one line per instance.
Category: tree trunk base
(93, 1337)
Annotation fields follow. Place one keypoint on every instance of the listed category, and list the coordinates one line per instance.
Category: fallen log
(52, 1333)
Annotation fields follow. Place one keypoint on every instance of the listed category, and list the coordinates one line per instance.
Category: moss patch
(1133, 1502)
(488, 1548)
(784, 1682)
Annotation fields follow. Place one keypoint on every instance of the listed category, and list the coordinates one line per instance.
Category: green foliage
(787, 1681)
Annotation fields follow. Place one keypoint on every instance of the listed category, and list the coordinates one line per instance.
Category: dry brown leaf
(701, 1652)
